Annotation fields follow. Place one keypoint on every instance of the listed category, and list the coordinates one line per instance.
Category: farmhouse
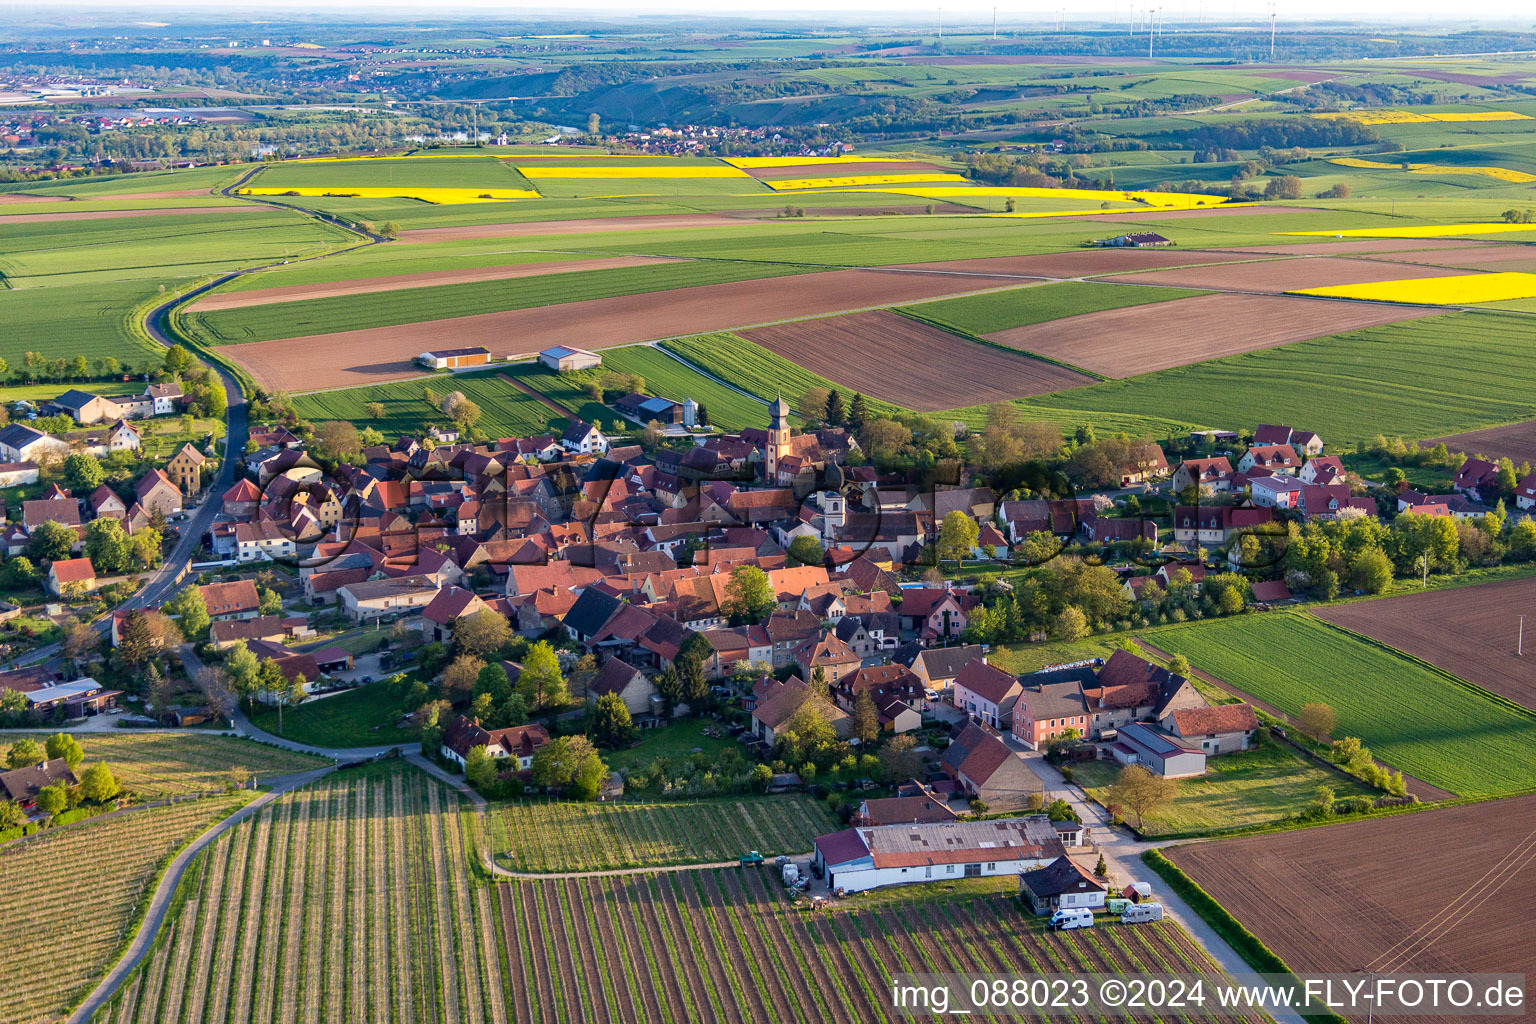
(453, 358)
(986, 693)
(1051, 702)
(236, 599)
(858, 859)
(79, 698)
(630, 684)
(20, 443)
(987, 770)
(1135, 240)
(68, 574)
(14, 474)
(155, 492)
(583, 439)
(1213, 473)
(262, 541)
(1303, 442)
(21, 785)
(938, 667)
(1477, 479)
(563, 359)
(921, 808)
(518, 743)
(1221, 729)
(1063, 884)
(389, 598)
(186, 470)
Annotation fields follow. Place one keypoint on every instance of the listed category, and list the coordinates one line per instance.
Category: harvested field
(1440, 890)
(1499, 257)
(170, 211)
(1516, 441)
(1080, 263)
(395, 282)
(1468, 631)
(590, 226)
(846, 168)
(351, 358)
(1135, 340)
(911, 364)
(177, 193)
(723, 945)
(1330, 247)
(1281, 275)
(1215, 211)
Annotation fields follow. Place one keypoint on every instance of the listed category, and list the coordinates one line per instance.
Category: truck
(1066, 920)
(751, 858)
(1142, 912)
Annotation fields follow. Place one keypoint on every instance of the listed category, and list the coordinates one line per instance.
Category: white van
(1142, 912)
(1066, 920)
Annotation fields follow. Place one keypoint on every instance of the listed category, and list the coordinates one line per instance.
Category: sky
(868, 12)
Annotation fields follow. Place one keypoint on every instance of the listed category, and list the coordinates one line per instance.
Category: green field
(93, 323)
(1255, 787)
(1033, 304)
(1415, 379)
(1419, 720)
(414, 305)
(126, 184)
(668, 378)
(755, 369)
(546, 836)
(505, 411)
(368, 716)
(160, 764)
(432, 172)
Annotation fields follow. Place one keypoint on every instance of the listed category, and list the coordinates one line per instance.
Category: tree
(191, 611)
(481, 634)
(1317, 720)
(461, 410)
(178, 360)
(336, 439)
(492, 682)
(271, 602)
(858, 414)
(375, 410)
(98, 784)
(1179, 665)
(11, 815)
(1060, 810)
(1071, 624)
(570, 763)
(1141, 792)
(610, 722)
(389, 229)
(243, 669)
(866, 719)
(20, 571)
(24, 753)
(749, 597)
(107, 546)
(52, 542)
(812, 403)
(62, 744)
(594, 122)
(1101, 869)
(1322, 804)
(806, 550)
(1287, 186)
(460, 676)
(957, 536)
(213, 682)
(541, 683)
(835, 413)
(899, 759)
(81, 642)
(52, 800)
(1372, 571)
(82, 473)
(762, 776)
(480, 768)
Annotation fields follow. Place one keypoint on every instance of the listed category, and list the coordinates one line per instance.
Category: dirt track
(1140, 339)
(890, 357)
(50, 218)
(588, 226)
(1514, 440)
(1471, 632)
(395, 282)
(1449, 888)
(1285, 275)
(351, 358)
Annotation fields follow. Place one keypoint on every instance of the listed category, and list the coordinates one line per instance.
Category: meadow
(464, 172)
(163, 764)
(755, 369)
(351, 899)
(415, 305)
(537, 836)
(368, 716)
(1417, 719)
(505, 411)
(668, 378)
(1033, 304)
(92, 323)
(111, 866)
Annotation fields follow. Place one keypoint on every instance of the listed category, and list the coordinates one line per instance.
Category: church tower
(778, 440)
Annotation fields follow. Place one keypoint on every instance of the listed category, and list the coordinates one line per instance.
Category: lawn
(1033, 304)
(668, 378)
(675, 741)
(1255, 787)
(1422, 721)
(414, 305)
(160, 764)
(1415, 379)
(368, 716)
(505, 411)
(553, 836)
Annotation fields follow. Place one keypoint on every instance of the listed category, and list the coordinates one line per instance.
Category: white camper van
(1142, 912)
(1065, 920)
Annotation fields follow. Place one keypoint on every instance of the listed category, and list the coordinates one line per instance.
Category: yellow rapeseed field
(1501, 173)
(1419, 231)
(647, 171)
(1159, 200)
(856, 180)
(1423, 117)
(440, 196)
(1437, 291)
(747, 162)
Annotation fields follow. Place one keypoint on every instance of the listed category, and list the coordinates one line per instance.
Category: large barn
(856, 859)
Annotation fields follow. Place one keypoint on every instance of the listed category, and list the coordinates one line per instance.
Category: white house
(986, 692)
(857, 859)
(1063, 884)
(517, 744)
(1275, 491)
(262, 541)
(20, 443)
(584, 439)
(165, 396)
(1157, 752)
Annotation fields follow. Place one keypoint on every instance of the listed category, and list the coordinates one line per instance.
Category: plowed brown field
(1471, 632)
(1517, 441)
(589, 226)
(394, 282)
(890, 357)
(350, 358)
(22, 197)
(1441, 890)
(1345, 247)
(1285, 275)
(1138, 339)
(1494, 257)
(1081, 262)
(51, 218)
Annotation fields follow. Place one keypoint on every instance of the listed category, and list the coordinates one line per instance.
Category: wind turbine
(1271, 29)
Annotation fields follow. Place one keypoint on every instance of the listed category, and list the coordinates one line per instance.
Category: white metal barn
(865, 858)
